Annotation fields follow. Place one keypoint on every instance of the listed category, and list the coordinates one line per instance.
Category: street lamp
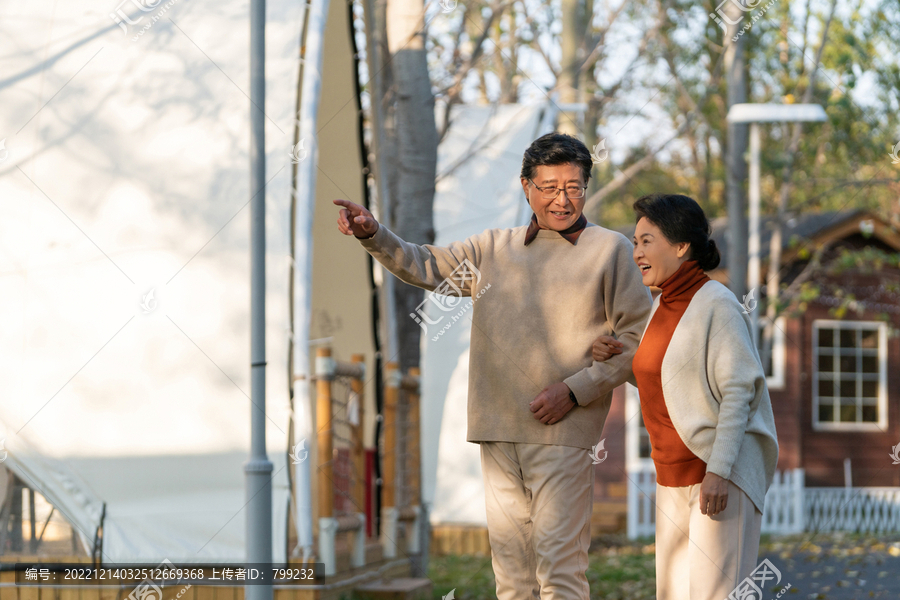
(258, 469)
(754, 114)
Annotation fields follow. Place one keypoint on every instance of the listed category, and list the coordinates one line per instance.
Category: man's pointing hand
(355, 220)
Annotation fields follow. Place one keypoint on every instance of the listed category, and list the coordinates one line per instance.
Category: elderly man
(537, 401)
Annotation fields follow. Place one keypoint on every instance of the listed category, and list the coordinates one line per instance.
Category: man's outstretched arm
(425, 266)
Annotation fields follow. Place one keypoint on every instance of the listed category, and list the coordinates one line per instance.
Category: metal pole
(258, 470)
(736, 139)
(753, 244)
(305, 196)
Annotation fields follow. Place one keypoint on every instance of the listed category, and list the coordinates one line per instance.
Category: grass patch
(616, 571)
(471, 576)
(630, 576)
(621, 569)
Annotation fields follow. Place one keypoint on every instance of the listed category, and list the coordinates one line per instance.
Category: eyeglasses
(574, 192)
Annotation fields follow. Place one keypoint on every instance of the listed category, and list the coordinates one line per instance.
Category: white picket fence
(784, 510)
(790, 507)
(863, 510)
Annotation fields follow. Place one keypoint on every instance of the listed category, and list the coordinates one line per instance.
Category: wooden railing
(401, 481)
(341, 462)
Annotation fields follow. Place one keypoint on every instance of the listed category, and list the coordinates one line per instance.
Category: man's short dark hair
(556, 149)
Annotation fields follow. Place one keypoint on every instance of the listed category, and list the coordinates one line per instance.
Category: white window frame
(633, 461)
(881, 328)
(775, 381)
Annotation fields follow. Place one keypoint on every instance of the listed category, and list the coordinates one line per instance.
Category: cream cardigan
(715, 390)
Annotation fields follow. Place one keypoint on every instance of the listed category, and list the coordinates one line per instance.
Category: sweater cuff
(724, 451)
(719, 466)
(376, 241)
(367, 241)
(583, 387)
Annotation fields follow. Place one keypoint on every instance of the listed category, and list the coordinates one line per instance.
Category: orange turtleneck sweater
(676, 466)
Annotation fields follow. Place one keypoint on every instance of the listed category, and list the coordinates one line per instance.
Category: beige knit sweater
(538, 310)
(715, 390)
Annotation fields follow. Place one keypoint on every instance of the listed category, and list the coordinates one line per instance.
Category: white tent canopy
(124, 266)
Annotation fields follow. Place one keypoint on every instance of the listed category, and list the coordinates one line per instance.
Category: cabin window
(637, 440)
(849, 375)
(773, 364)
(643, 438)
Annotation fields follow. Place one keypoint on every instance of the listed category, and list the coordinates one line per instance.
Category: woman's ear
(683, 249)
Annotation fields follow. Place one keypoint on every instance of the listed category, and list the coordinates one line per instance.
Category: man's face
(561, 212)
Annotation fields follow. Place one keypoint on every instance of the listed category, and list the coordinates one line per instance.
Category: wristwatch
(572, 397)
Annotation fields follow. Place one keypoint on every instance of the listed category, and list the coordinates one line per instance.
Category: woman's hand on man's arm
(605, 347)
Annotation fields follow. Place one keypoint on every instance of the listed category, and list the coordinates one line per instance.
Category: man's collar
(570, 233)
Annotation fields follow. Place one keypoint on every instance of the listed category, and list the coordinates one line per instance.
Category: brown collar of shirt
(570, 233)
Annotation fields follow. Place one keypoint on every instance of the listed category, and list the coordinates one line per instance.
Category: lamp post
(258, 470)
(754, 114)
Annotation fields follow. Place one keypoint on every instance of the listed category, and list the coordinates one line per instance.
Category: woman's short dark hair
(681, 220)
(556, 149)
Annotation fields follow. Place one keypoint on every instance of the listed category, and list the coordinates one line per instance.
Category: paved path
(835, 567)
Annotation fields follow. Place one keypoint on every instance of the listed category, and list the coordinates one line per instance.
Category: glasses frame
(558, 190)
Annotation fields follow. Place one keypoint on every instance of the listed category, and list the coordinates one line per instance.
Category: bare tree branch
(622, 177)
(452, 91)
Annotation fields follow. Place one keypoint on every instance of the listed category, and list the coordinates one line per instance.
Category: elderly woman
(705, 406)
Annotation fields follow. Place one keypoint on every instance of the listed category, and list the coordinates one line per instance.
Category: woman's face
(654, 255)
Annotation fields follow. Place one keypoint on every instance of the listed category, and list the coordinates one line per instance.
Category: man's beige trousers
(700, 557)
(539, 499)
